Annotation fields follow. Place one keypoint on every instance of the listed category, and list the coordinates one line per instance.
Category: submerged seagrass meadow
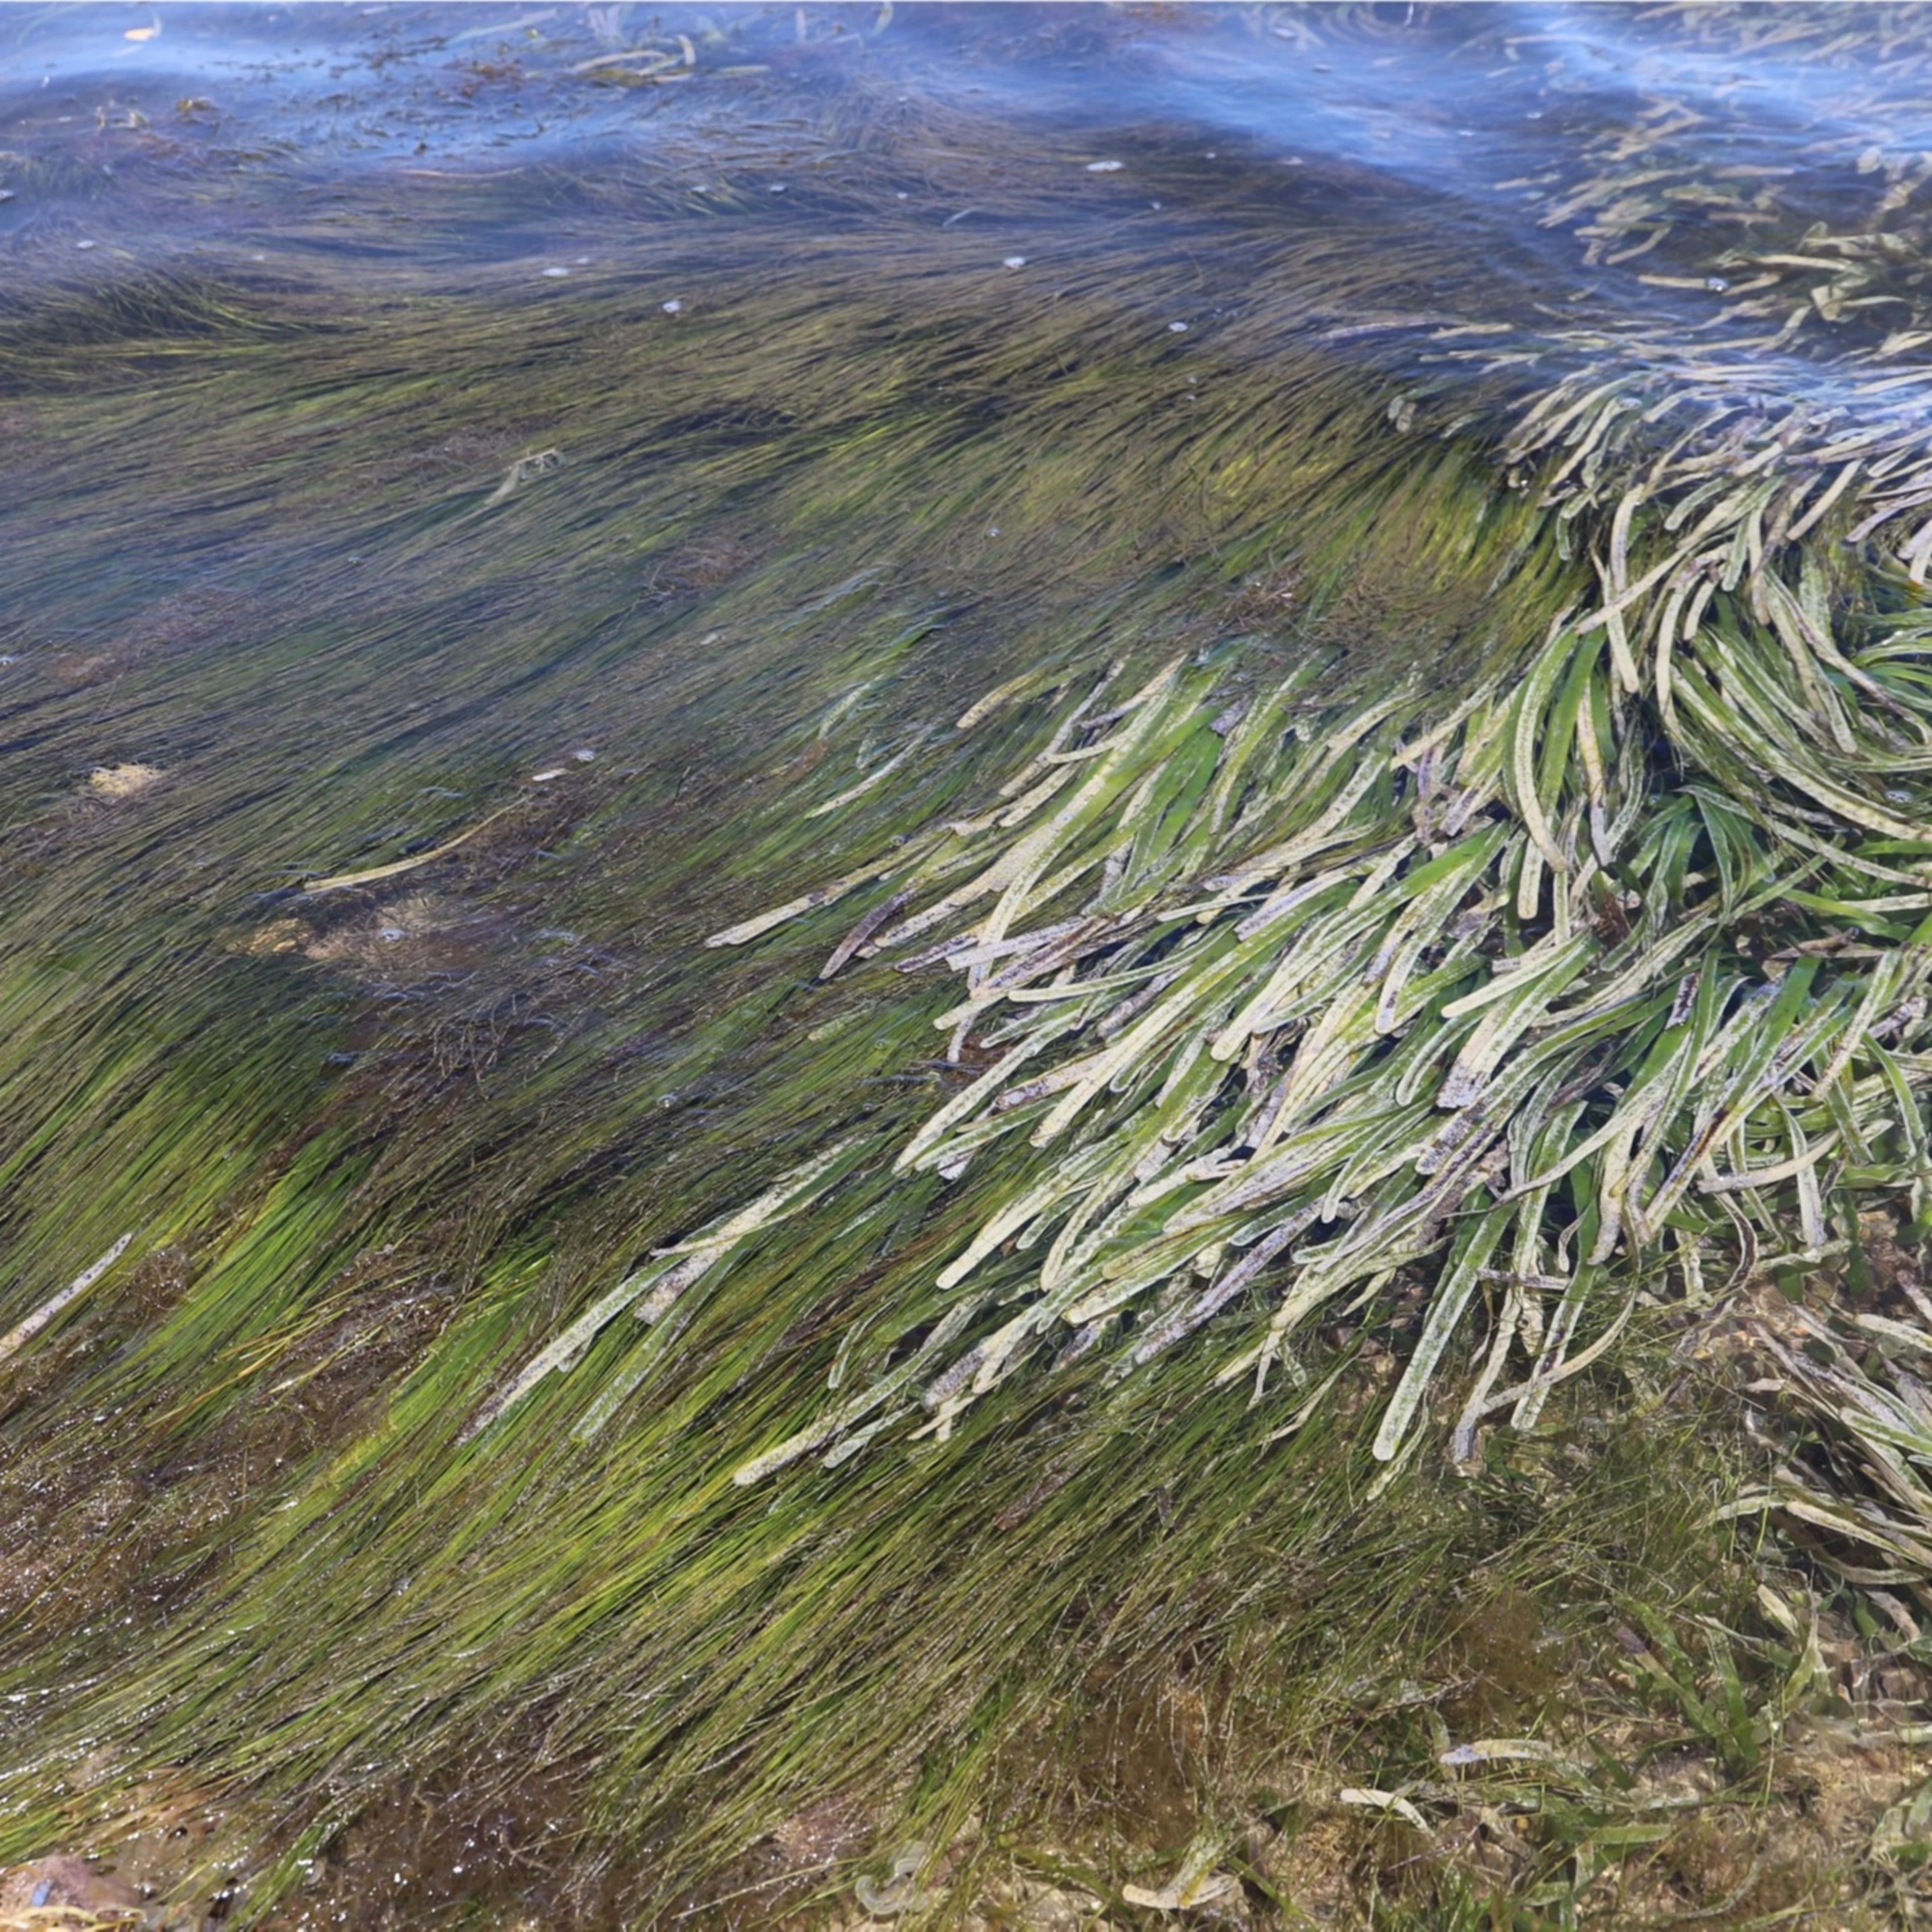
(941, 943)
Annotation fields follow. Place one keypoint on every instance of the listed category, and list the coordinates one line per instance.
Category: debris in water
(18, 1338)
(340, 881)
(122, 781)
(61, 1892)
(1391, 1801)
(279, 935)
(1195, 1885)
(523, 470)
(900, 1892)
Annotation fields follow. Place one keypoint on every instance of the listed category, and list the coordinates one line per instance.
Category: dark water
(283, 106)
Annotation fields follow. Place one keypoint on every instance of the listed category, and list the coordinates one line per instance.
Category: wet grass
(394, 1472)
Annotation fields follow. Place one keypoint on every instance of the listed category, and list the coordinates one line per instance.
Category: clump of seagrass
(1617, 966)
(1861, 1380)
(1621, 962)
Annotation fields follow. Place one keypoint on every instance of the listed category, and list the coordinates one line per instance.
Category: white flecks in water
(556, 274)
(777, 188)
(1176, 328)
(1014, 262)
(389, 934)
(1105, 167)
(673, 307)
(582, 261)
(544, 776)
(583, 754)
(86, 244)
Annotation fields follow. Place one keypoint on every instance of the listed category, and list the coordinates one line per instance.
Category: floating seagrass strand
(1624, 957)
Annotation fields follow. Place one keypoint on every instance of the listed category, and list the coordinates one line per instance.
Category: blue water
(135, 135)
(1451, 101)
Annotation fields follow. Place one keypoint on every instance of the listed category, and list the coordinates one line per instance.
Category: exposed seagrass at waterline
(1652, 876)
(1577, 980)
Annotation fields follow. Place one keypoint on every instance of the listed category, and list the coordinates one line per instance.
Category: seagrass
(1614, 965)
(1423, 848)
(1590, 973)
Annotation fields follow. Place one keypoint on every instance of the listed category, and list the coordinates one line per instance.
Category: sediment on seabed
(1412, 895)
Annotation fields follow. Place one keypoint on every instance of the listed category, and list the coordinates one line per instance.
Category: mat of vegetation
(926, 998)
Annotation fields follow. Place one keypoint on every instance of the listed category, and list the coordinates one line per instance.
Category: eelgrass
(1294, 1002)
(1622, 958)
(1860, 1381)
(1518, 924)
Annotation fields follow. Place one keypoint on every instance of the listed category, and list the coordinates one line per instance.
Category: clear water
(396, 402)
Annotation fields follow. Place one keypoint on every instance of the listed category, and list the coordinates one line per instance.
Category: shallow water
(240, 120)
(517, 462)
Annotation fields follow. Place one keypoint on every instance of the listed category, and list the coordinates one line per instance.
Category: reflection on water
(489, 496)
(249, 142)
